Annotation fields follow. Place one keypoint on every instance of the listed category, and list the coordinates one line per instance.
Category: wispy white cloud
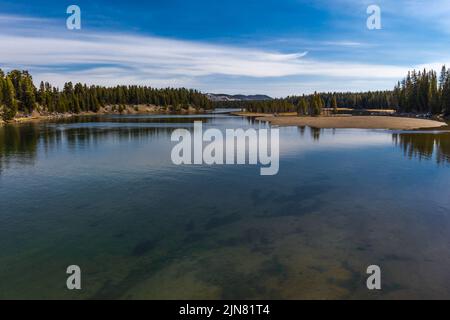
(344, 43)
(150, 57)
(10, 18)
(60, 55)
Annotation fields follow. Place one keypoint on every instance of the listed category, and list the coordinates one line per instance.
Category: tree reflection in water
(424, 145)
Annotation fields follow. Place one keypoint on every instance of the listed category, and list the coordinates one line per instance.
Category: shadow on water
(20, 143)
(314, 132)
(414, 145)
(424, 146)
(138, 119)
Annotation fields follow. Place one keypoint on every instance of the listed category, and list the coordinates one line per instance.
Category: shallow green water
(102, 193)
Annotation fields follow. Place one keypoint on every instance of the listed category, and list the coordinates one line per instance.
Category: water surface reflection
(101, 192)
(424, 145)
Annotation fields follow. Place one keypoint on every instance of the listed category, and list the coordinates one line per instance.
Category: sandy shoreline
(355, 122)
(109, 110)
(338, 122)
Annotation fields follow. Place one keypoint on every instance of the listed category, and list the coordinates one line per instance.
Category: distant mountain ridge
(237, 97)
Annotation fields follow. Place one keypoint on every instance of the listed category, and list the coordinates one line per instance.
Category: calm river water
(102, 193)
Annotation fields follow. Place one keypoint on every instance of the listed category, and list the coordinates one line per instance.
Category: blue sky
(278, 48)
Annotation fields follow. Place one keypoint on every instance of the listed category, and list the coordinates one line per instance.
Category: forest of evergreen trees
(420, 92)
(19, 94)
(423, 92)
(313, 104)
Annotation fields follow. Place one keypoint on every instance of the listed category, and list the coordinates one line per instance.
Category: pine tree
(302, 107)
(334, 104)
(443, 77)
(316, 105)
(434, 94)
(9, 100)
(445, 94)
(27, 93)
(2, 84)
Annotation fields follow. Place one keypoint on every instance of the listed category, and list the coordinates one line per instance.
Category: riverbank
(108, 110)
(354, 122)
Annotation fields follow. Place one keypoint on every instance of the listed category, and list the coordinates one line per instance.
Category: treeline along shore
(19, 96)
(420, 92)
